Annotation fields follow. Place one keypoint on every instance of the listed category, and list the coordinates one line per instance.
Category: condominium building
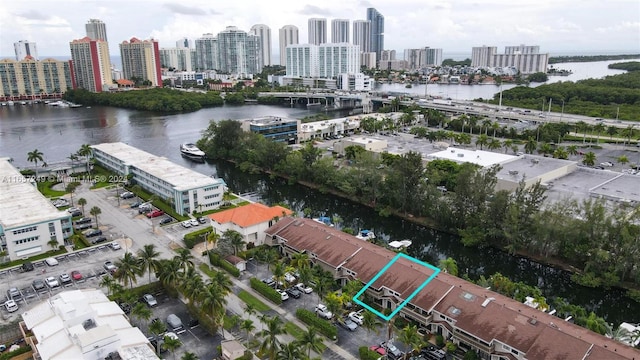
(91, 64)
(29, 223)
(368, 60)
(274, 128)
(207, 52)
(471, 317)
(96, 30)
(420, 58)
(263, 32)
(83, 325)
(481, 55)
(395, 65)
(288, 36)
(362, 35)
(339, 31)
(388, 55)
(24, 48)
(177, 58)
(525, 59)
(317, 31)
(141, 60)
(377, 30)
(238, 52)
(31, 78)
(323, 61)
(185, 189)
(184, 43)
(522, 49)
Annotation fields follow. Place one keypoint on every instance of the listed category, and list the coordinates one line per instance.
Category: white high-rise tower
(288, 36)
(317, 31)
(264, 33)
(339, 31)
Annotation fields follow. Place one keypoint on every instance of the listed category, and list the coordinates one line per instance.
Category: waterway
(581, 71)
(59, 132)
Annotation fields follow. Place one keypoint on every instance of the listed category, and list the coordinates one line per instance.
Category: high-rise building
(177, 58)
(522, 49)
(317, 31)
(288, 36)
(31, 77)
(141, 59)
(377, 30)
(526, 59)
(340, 31)
(322, 61)
(433, 57)
(238, 52)
(368, 60)
(207, 52)
(481, 55)
(96, 30)
(24, 48)
(91, 64)
(420, 58)
(264, 33)
(362, 35)
(184, 43)
(387, 55)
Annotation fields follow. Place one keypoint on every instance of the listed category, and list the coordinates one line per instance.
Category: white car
(51, 261)
(283, 295)
(323, 311)
(52, 282)
(289, 278)
(11, 305)
(186, 224)
(305, 289)
(356, 318)
(194, 222)
(115, 246)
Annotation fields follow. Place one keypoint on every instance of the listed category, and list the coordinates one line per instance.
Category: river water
(58, 132)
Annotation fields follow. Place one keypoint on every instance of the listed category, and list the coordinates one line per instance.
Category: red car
(379, 349)
(155, 213)
(76, 275)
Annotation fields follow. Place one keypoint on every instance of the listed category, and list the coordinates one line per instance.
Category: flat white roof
(268, 120)
(362, 140)
(179, 177)
(478, 157)
(22, 203)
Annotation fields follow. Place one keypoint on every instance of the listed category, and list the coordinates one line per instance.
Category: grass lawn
(250, 299)
(207, 270)
(45, 188)
(48, 254)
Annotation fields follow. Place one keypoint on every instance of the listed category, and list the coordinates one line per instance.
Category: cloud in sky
(557, 26)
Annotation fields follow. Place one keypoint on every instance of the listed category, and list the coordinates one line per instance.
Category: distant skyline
(557, 26)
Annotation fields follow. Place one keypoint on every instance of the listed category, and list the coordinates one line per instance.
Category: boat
(323, 220)
(192, 152)
(10, 103)
(366, 235)
(399, 245)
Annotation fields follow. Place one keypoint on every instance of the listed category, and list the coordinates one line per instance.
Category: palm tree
(278, 273)
(494, 144)
(310, 340)
(247, 326)
(449, 265)
(141, 311)
(612, 130)
(71, 187)
(409, 336)
(507, 144)
(482, 140)
(82, 202)
(486, 123)
(589, 159)
(169, 271)
(171, 344)
(623, 159)
(300, 261)
(35, 156)
(561, 153)
(157, 328)
(53, 243)
(235, 239)
(212, 302)
(582, 126)
(212, 238)
(334, 303)
(223, 281)
(128, 269)
(290, 351)
(599, 128)
(370, 322)
(191, 285)
(86, 151)
(572, 150)
(95, 211)
(495, 126)
(108, 282)
(270, 342)
(189, 356)
(531, 145)
(148, 259)
(184, 258)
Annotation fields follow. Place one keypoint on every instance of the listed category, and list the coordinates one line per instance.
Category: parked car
(186, 224)
(194, 222)
(294, 292)
(150, 300)
(393, 351)
(83, 226)
(38, 285)
(378, 349)
(155, 213)
(76, 275)
(51, 261)
(115, 245)
(283, 294)
(165, 220)
(305, 289)
(135, 204)
(27, 266)
(14, 293)
(323, 312)
(202, 220)
(357, 318)
(76, 213)
(84, 220)
(65, 279)
(99, 239)
(109, 266)
(92, 233)
(175, 324)
(348, 324)
(11, 305)
(72, 209)
(127, 195)
(269, 282)
(52, 282)
(289, 278)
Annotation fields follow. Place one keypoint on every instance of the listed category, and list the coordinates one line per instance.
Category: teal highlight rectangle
(406, 301)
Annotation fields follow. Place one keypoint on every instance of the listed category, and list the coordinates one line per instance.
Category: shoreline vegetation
(590, 58)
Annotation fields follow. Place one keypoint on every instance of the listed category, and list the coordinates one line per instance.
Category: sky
(557, 26)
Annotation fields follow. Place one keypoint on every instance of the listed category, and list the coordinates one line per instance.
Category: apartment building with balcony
(187, 190)
(32, 79)
(141, 60)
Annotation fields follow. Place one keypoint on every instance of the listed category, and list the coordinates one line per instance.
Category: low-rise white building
(368, 143)
(83, 324)
(186, 189)
(29, 223)
(249, 220)
(326, 128)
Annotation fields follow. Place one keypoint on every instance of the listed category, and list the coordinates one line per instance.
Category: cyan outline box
(406, 301)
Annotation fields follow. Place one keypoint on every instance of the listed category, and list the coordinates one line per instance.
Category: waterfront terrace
(472, 317)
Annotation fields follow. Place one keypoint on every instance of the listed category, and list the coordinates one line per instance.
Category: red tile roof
(537, 334)
(249, 215)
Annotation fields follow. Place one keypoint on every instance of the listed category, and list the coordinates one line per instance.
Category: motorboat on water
(191, 151)
(399, 245)
(366, 235)
(323, 220)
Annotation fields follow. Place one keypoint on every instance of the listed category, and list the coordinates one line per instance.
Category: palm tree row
(37, 156)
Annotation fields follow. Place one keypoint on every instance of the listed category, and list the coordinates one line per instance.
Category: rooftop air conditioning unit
(460, 155)
(513, 172)
(535, 161)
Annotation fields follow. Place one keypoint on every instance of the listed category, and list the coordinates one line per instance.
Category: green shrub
(196, 237)
(366, 354)
(216, 260)
(439, 341)
(266, 291)
(9, 355)
(324, 327)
